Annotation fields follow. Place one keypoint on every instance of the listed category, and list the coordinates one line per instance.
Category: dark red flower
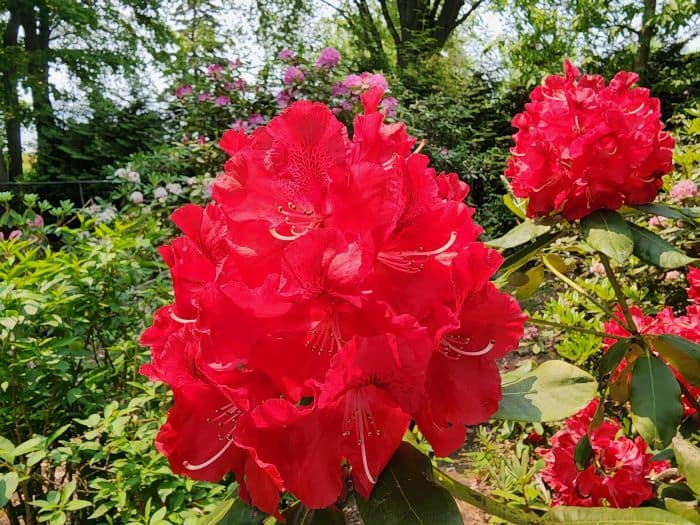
(333, 292)
(619, 468)
(582, 146)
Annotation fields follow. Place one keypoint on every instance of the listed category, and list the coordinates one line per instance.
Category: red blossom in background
(334, 291)
(582, 146)
(617, 475)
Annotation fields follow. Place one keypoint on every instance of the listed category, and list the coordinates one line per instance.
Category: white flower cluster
(128, 175)
(104, 214)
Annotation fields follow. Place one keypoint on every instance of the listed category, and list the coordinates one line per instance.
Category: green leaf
(683, 355)
(300, 515)
(610, 516)
(553, 391)
(524, 254)
(583, 453)
(8, 485)
(655, 401)
(234, 512)
(533, 279)
(522, 233)
(652, 249)
(613, 356)
(517, 206)
(688, 459)
(607, 232)
(686, 509)
(672, 212)
(406, 494)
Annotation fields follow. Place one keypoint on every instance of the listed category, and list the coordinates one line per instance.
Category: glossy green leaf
(613, 356)
(524, 254)
(517, 206)
(406, 494)
(671, 212)
(610, 516)
(533, 279)
(583, 453)
(522, 233)
(688, 459)
(652, 249)
(8, 485)
(655, 401)
(607, 232)
(684, 355)
(553, 391)
(234, 512)
(686, 509)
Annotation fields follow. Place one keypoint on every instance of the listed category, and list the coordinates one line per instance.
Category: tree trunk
(11, 97)
(37, 37)
(641, 59)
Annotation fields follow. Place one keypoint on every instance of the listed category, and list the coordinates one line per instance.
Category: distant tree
(87, 39)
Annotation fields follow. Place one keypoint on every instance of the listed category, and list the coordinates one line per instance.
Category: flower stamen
(412, 261)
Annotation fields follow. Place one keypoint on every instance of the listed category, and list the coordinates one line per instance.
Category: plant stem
(543, 322)
(690, 397)
(577, 287)
(484, 502)
(621, 299)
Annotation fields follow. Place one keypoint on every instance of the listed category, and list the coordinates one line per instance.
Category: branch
(390, 22)
(466, 15)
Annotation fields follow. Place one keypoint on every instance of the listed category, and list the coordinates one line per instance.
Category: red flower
(333, 292)
(582, 146)
(617, 475)
(694, 282)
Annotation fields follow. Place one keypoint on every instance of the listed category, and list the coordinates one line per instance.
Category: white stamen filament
(326, 336)
(403, 261)
(180, 319)
(636, 110)
(227, 414)
(294, 218)
(357, 411)
(452, 344)
(211, 460)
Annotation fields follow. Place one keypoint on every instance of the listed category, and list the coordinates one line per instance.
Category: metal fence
(78, 191)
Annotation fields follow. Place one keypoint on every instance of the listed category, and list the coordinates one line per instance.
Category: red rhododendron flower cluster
(333, 292)
(666, 322)
(582, 146)
(618, 469)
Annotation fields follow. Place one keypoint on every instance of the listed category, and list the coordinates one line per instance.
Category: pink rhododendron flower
(283, 99)
(339, 90)
(617, 475)
(658, 222)
(597, 268)
(256, 119)
(293, 75)
(388, 106)
(685, 189)
(214, 70)
(36, 222)
(328, 58)
(240, 84)
(183, 91)
(305, 334)
(239, 125)
(286, 55)
(673, 275)
(222, 100)
(582, 146)
(364, 81)
(203, 97)
(235, 63)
